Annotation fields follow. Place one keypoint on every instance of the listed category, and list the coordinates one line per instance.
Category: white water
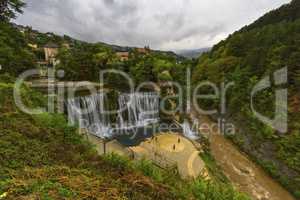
(138, 109)
(135, 110)
(188, 130)
(89, 112)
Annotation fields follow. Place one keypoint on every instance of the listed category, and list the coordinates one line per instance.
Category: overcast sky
(162, 24)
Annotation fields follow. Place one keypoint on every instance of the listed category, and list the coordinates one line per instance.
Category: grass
(41, 157)
(214, 170)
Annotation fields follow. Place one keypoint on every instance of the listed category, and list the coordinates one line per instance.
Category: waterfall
(188, 130)
(135, 110)
(89, 112)
(138, 109)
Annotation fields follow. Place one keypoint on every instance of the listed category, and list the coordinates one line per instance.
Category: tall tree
(10, 8)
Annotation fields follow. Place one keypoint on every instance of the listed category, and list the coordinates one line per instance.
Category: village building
(49, 59)
(145, 50)
(123, 56)
(51, 52)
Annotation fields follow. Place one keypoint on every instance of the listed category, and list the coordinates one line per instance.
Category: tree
(101, 58)
(10, 8)
(15, 55)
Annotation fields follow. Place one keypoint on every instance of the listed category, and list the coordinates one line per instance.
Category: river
(246, 175)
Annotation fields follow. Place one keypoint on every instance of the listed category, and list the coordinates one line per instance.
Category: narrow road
(246, 175)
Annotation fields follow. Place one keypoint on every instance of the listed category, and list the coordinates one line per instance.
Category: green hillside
(83, 60)
(43, 157)
(288, 12)
(15, 55)
(245, 57)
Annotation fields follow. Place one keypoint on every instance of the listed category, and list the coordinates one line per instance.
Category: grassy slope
(42, 157)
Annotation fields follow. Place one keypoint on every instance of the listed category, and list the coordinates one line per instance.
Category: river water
(246, 175)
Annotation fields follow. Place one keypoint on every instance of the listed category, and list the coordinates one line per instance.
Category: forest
(245, 57)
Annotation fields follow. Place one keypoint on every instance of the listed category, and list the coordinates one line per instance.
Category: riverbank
(246, 175)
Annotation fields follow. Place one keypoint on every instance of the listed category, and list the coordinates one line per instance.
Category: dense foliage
(9, 9)
(57, 163)
(288, 12)
(247, 56)
(15, 55)
(85, 61)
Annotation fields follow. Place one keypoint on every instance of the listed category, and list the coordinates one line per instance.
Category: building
(51, 52)
(144, 50)
(123, 56)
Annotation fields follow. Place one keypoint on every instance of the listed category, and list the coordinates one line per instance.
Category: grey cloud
(171, 20)
(176, 24)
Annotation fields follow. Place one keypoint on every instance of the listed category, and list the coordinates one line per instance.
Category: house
(144, 50)
(51, 52)
(123, 56)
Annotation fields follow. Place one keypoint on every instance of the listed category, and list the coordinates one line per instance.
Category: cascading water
(188, 130)
(135, 110)
(138, 110)
(89, 112)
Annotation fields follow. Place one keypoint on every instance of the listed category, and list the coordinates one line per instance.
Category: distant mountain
(192, 53)
(118, 48)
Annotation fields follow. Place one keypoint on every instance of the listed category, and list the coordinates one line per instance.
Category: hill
(192, 53)
(83, 61)
(41, 39)
(245, 57)
(288, 13)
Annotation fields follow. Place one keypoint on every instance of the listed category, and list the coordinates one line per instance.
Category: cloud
(167, 25)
